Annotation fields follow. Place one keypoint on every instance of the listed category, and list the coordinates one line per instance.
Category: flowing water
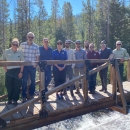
(100, 120)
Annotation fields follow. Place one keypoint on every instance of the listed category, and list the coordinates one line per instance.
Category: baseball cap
(77, 41)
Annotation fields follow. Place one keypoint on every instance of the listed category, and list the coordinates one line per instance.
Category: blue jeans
(47, 77)
(28, 70)
(92, 81)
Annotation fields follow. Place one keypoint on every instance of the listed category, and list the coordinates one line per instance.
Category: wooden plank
(119, 109)
(3, 108)
(54, 104)
(17, 114)
(24, 112)
(71, 99)
(62, 103)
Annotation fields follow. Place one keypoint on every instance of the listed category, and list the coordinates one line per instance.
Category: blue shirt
(104, 54)
(56, 55)
(80, 54)
(45, 55)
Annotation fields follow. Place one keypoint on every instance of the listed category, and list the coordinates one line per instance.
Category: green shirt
(9, 55)
(121, 53)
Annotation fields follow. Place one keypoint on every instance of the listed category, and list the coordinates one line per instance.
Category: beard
(87, 47)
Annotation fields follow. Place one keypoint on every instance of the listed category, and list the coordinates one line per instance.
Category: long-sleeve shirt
(93, 55)
(70, 54)
(79, 55)
(121, 53)
(56, 55)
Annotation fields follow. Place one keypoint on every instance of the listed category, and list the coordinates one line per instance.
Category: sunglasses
(118, 44)
(67, 43)
(30, 37)
(15, 45)
(91, 46)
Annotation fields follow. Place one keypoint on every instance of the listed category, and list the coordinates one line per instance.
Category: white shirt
(70, 54)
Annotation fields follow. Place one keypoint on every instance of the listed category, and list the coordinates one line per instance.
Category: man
(46, 54)
(79, 67)
(13, 74)
(31, 53)
(104, 53)
(92, 54)
(86, 46)
(59, 70)
(69, 67)
(120, 53)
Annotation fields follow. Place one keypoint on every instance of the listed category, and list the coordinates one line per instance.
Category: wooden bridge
(39, 112)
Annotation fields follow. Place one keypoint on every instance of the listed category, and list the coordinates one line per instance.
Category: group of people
(29, 51)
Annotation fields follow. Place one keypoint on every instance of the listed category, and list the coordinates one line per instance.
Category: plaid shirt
(30, 51)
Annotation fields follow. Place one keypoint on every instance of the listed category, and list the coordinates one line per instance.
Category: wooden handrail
(49, 62)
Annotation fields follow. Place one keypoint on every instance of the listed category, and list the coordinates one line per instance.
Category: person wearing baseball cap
(104, 53)
(79, 67)
(13, 74)
(69, 67)
(59, 70)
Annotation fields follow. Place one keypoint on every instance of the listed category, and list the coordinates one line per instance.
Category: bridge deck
(54, 105)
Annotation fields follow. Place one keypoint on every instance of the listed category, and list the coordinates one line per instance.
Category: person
(79, 67)
(92, 54)
(46, 54)
(69, 67)
(122, 54)
(59, 70)
(13, 74)
(31, 53)
(86, 46)
(104, 53)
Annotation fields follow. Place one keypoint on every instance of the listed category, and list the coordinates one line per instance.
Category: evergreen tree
(68, 21)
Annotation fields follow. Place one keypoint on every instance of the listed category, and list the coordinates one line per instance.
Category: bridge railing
(43, 95)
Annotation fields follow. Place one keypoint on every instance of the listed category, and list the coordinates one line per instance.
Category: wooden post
(114, 81)
(85, 90)
(43, 112)
(128, 70)
(120, 86)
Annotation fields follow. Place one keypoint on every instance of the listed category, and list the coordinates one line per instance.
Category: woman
(13, 73)
(59, 70)
(92, 54)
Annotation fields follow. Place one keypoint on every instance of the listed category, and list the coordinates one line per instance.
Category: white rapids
(100, 120)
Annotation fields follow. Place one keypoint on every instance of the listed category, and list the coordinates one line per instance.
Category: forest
(99, 20)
